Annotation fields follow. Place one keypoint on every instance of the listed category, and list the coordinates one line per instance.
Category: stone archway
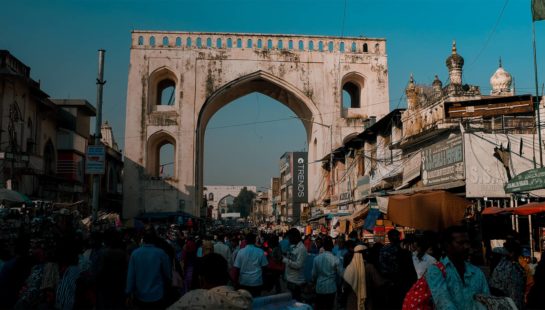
(209, 70)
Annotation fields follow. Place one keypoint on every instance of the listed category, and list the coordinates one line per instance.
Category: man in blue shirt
(149, 270)
(462, 281)
(325, 270)
(249, 263)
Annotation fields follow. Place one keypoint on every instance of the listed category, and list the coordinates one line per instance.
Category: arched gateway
(178, 80)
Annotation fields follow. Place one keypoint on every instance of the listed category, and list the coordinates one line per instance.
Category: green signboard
(527, 181)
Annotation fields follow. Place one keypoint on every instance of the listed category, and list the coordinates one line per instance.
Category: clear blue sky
(59, 40)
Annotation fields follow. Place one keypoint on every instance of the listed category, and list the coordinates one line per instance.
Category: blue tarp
(371, 219)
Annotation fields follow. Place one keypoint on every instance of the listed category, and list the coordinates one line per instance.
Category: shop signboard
(95, 159)
(300, 177)
(363, 188)
(411, 169)
(527, 181)
(344, 197)
(486, 175)
(443, 162)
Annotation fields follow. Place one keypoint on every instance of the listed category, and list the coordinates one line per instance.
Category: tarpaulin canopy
(527, 209)
(434, 210)
(371, 219)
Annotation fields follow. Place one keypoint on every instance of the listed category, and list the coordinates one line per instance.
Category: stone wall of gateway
(210, 70)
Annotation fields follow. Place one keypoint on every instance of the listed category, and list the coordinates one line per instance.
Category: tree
(243, 202)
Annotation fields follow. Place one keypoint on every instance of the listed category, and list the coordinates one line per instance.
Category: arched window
(239, 43)
(161, 156)
(353, 47)
(211, 196)
(365, 48)
(209, 42)
(165, 41)
(229, 43)
(218, 43)
(301, 45)
(341, 47)
(280, 44)
(259, 43)
(351, 95)
(165, 92)
(330, 46)
(49, 158)
(178, 41)
(140, 40)
(199, 43)
(188, 42)
(377, 48)
(152, 41)
(321, 46)
(290, 44)
(269, 44)
(249, 44)
(311, 46)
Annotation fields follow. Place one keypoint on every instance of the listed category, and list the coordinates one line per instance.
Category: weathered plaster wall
(209, 77)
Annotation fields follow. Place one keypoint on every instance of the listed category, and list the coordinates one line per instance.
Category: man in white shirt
(421, 259)
(249, 263)
(295, 261)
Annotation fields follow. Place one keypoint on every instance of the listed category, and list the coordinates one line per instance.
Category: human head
(393, 236)
(294, 236)
(328, 243)
(456, 242)
(207, 247)
(216, 273)
(250, 238)
(353, 235)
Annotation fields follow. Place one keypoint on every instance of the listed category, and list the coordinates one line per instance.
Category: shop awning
(434, 210)
(527, 209)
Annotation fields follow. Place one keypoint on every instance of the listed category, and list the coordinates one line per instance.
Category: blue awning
(371, 219)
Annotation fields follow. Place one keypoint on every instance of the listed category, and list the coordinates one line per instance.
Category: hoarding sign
(411, 169)
(95, 159)
(443, 162)
(527, 181)
(363, 188)
(300, 177)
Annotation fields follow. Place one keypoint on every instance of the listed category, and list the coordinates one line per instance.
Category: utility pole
(100, 85)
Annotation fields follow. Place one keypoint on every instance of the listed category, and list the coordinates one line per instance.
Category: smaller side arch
(353, 85)
(162, 88)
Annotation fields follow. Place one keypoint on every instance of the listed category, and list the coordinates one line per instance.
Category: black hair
(450, 231)
(328, 243)
(294, 235)
(250, 238)
(216, 272)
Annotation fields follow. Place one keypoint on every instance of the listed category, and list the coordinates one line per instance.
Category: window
(152, 41)
(365, 49)
(140, 40)
(249, 43)
(165, 41)
(218, 43)
(301, 45)
(311, 45)
(49, 159)
(178, 41)
(239, 43)
(165, 92)
(351, 95)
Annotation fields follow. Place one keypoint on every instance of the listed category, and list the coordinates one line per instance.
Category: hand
(285, 260)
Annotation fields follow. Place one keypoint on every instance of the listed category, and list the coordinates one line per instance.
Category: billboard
(443, 162)
(300, 177)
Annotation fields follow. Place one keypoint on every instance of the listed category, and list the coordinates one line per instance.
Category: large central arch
(179, 80)
(269, 85)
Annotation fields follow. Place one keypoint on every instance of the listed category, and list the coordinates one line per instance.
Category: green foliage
(243, 202)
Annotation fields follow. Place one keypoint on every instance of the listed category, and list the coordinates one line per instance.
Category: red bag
(419, 296)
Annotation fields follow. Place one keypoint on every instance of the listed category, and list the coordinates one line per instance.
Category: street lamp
(330, 153)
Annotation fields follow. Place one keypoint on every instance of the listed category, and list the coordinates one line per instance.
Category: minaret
(454, 64)
(410, 91)
(437, 84)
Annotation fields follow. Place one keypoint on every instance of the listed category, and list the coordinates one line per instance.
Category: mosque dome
(501, 81)
(454, 60)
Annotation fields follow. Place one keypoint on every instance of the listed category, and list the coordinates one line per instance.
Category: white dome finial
(501, 82)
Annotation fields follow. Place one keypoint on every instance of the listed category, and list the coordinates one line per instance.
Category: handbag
(419, 296)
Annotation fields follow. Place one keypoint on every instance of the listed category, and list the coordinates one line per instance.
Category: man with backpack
(456, 285)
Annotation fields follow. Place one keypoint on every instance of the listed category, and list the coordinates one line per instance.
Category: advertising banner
(411, 169)
(300, 177)
(486, 175)
(443, 162)
(363, 188)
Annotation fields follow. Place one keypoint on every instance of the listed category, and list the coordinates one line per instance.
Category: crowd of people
(163, 267)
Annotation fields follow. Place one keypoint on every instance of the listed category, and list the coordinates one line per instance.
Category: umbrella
(11, 196)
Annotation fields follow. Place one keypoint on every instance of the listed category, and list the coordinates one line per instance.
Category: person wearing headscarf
(354, 275)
